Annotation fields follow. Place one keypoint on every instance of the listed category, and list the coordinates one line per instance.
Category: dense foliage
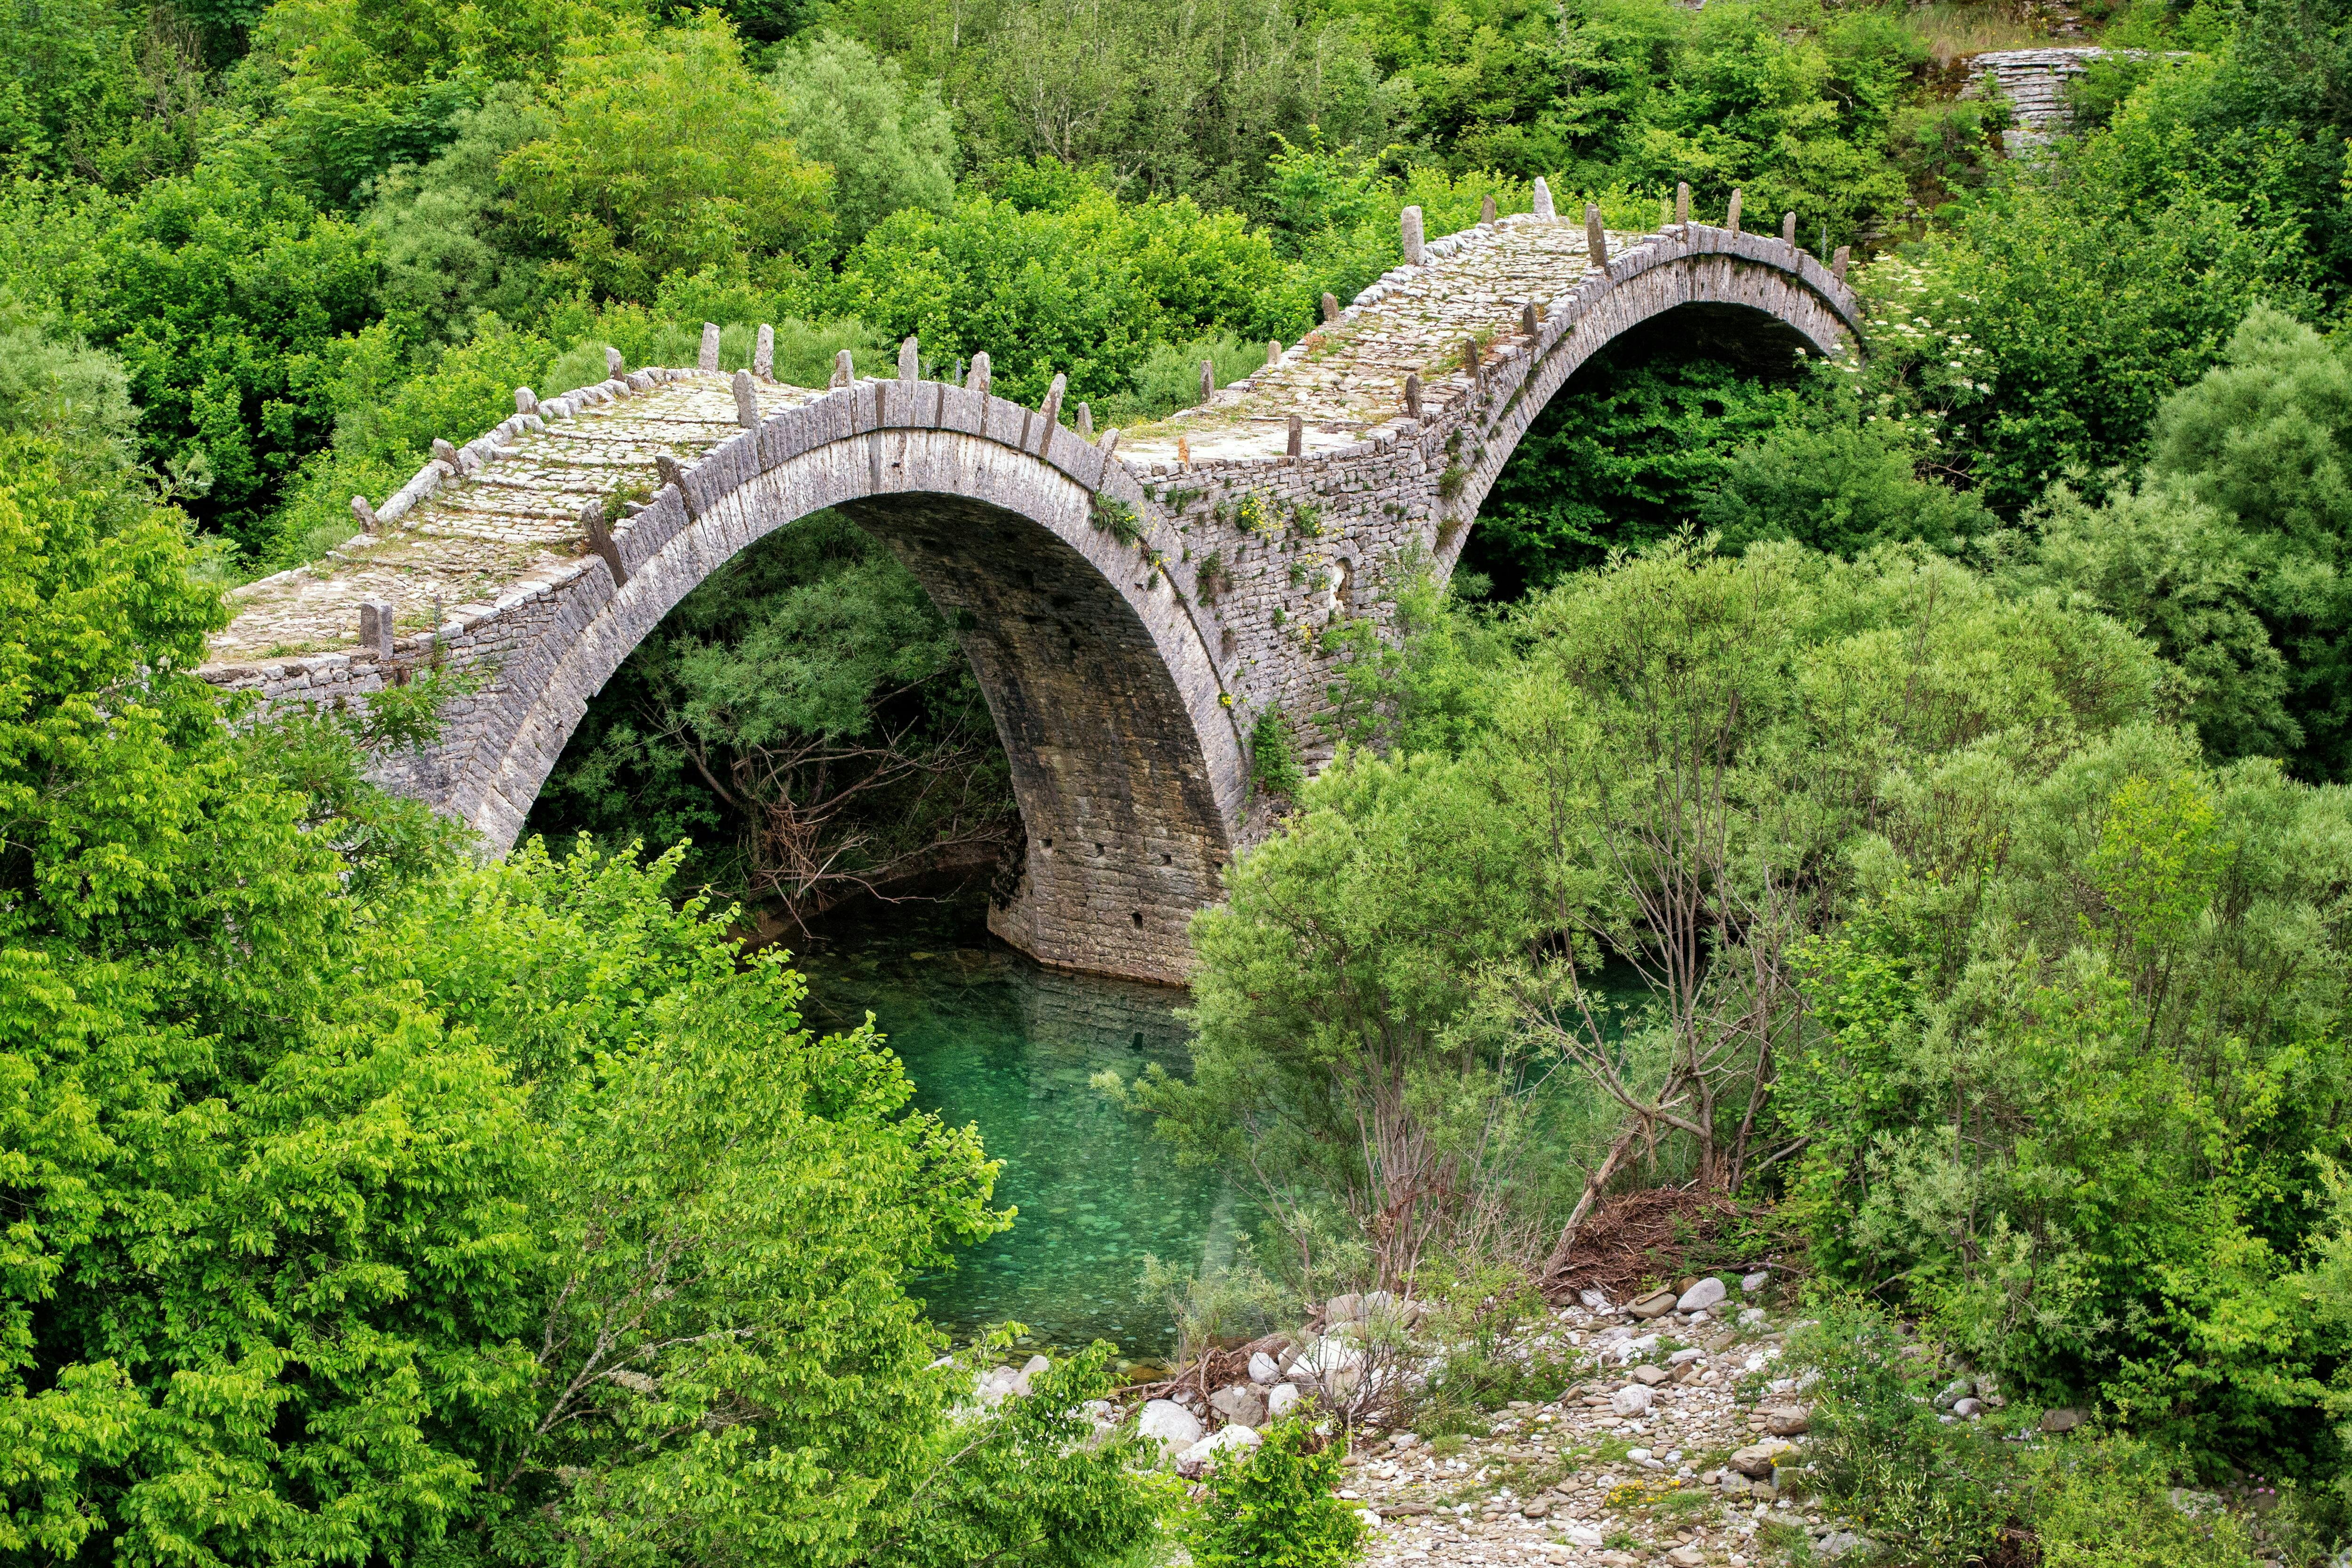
(368, 1202)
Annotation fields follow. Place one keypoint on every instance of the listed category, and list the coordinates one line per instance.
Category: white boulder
(1202, 1458)
(1170, 1424)
(1283, 1399)
(1631, 1400)
(1708, 1292)
(1263, 1369)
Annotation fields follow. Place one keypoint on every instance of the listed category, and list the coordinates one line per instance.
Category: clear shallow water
(990, 1038)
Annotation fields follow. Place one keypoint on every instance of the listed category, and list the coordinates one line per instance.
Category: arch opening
(1118, 834)
(1633, 442)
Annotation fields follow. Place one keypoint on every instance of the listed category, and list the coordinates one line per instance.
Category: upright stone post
(1412, 394)
(526, 400)
(364, 513)
(1408, 226)
(709, 359)
(1788, 230)
(600, 540)
(1298, 437)
(1470, 356)
(1085, 421)
(1273, 351)
(1052, 408)
(1110, 447)
(1596, 236)
(444, 454)
(1486, 211)
(747, 402)
(910, 361)
(1731, 217)
(1837, 262)
(375, 627)
(1543, 200)
(1331, 308)
(1208, 378)
(763, 352)
(1529, 320)
(613, 363)
(844, 369)
(978, 380)
(1682, 205)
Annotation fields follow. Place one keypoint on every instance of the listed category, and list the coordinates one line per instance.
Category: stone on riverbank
(1170, 1424)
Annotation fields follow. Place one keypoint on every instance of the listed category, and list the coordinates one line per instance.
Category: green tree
(664, 154)
(888, 140)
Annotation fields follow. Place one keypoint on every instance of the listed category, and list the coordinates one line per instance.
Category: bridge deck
(1345, 379)
(512, 527)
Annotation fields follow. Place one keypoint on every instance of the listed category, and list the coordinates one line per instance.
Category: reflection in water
(990, 1038)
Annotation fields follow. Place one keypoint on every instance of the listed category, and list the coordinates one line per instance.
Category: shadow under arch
(1622, 452)
(1718, 297)
(1128, 774)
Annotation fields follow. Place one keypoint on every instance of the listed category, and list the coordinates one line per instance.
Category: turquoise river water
(990, 1038)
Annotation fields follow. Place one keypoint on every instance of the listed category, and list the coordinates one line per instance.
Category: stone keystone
(1298, 437)
(526, 400)
(763, 354)
(978, 380)
(1788, 230)
(600, 537)
(1208, 378)
(364, 512)
(1596, 236)
(747, 402)
(1543, 200)
(1408, 226)
(709, 359)
(1731, 217)
(844, 369)
(613, 363)
(1486, 211)
(375, 627)
(1331, 308)
(1837, 262)
(911, 360)
(1681, 203)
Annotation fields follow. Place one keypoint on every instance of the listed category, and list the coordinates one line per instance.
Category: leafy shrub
(1276, 1508)
(1273, 755)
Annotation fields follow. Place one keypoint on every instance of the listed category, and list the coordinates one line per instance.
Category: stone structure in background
(2035, 82)
(1130, 605)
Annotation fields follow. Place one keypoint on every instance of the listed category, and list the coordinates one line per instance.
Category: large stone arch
(1128, 770)
(1124, 662)
(1772, 289)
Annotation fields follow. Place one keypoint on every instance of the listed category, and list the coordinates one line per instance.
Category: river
(990, 1038)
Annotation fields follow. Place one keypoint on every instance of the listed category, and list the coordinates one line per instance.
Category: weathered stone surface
(1708, 1292)
(1122, 672)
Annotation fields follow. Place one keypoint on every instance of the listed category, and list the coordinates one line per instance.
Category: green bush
(1277, 1508)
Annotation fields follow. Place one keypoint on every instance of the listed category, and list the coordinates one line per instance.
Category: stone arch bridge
(1130, 604)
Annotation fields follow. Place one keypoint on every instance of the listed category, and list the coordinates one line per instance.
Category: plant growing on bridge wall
(1115, 518)
(1273, 755)
(1250, 516)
